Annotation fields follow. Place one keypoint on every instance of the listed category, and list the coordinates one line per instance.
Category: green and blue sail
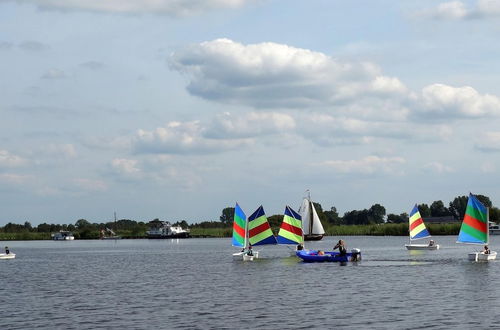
(257, 229)
(474, 228)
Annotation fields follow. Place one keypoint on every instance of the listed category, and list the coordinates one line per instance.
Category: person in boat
(300, 247)
(341, 246)
(7, 251)
(250, 251)
(431, 243)
(321, 253)
(486, 250)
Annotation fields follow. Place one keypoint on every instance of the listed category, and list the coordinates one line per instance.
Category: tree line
(374, 215)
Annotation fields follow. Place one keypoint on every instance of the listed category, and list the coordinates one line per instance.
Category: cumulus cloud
(248, 125)
(270, 75)
(446, 101)
(276, 75)
(10, 160)
(165, 7)
(181, 138)
(367, 165)
(455, 10)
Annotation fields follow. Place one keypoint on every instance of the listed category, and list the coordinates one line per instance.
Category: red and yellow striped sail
(417, 226)
(259, 231)
(291, 228)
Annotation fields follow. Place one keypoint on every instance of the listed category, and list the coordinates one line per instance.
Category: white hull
(422, 247)
(67, 238)
(481, 256)
(244, 256)
(7, 256)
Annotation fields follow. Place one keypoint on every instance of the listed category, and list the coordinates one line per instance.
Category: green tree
(82, 223)
(376, 214)
(227, 216)
(332, 216)
(394, 218)
(424, 210)
(458, 206)
(439, 210)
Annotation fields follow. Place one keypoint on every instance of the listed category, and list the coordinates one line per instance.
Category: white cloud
(181, 137)
(126, 167)
(62, 150)
(251, 124)
(367, 165)
(438, 167)
(446, 101)
(276, 75)
(455, 10)
(10, 160)
(270, 75)
(166, 7)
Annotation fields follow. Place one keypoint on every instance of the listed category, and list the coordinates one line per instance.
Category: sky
(176, 109)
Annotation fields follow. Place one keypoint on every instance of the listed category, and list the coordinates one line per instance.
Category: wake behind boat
(417, 231)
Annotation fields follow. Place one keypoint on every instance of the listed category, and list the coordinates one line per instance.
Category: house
(441, 220)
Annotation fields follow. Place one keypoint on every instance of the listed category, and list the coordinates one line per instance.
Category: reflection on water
(195, 284)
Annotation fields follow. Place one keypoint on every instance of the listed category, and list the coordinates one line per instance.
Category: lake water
(195, 284)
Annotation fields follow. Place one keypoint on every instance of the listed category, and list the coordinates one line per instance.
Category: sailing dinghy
(311, 225)
(475, 229)
(255, 231)
(418, 231)
(7, 256)
(290, 232)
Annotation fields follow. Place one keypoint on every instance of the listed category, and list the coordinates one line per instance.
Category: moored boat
(166, 230)
(63, 235)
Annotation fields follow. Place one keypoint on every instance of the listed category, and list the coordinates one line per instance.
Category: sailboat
(417, 231)
(290, 232)
(475, 229)
(255, 231)
(239, 232)
(311, 225)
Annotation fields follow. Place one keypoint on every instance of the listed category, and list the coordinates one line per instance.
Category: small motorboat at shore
(328, 256)
(7, 256)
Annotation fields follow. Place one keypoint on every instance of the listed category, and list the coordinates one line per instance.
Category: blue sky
(177, 109)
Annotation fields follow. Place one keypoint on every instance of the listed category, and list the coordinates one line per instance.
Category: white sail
(317, 227)
(305, 213)
(311, 225)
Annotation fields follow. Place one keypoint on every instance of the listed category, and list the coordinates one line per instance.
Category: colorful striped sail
(474, 228)
(259, 231)
(239, 227)
(417, 226)
(291, 228)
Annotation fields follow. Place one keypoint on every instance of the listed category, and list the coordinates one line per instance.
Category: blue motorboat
(331, 256)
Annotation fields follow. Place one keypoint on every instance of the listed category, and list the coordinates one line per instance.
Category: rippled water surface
(195, 284)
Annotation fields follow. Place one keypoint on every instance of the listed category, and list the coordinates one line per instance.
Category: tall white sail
(317, 227)
(305, 213)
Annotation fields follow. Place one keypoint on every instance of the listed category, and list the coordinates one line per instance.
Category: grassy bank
(355, 230)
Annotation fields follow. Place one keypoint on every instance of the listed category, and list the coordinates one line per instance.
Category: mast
(487, 226)
(311, 217)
